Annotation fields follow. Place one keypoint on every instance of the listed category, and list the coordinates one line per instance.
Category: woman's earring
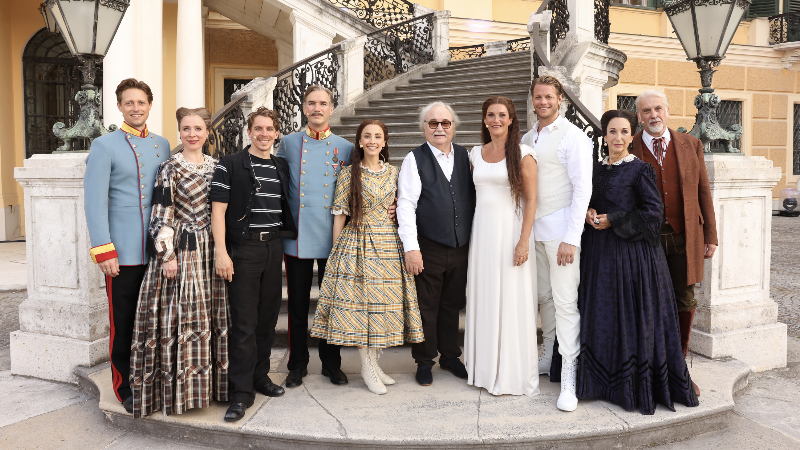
(383, 158)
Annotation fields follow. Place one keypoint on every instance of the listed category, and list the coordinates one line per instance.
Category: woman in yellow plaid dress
(367, 298)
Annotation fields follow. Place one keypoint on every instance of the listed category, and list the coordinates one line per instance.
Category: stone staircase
(463, 84)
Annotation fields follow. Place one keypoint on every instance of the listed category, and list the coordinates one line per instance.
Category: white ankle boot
(547, 357)
(368, 363)
(567, 401)
(385, 379)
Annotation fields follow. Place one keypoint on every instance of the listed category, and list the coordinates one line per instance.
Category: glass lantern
(789, 200)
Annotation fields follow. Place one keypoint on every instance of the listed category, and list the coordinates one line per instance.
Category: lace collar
(628, 158)
(374, 172)
(208, 164)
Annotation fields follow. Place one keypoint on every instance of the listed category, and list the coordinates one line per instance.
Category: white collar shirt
(648, 140)
(409, 188)
(574, 153)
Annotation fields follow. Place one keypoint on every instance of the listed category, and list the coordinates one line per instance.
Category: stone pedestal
(64, 321)
(735, 315)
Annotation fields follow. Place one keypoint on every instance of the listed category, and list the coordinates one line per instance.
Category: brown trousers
(442, 294)
(675, 249)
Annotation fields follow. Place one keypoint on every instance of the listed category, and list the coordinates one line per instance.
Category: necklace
(258, 189)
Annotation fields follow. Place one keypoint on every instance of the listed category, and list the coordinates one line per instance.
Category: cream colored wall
(170, 38)
(19, 21)
(470, 9)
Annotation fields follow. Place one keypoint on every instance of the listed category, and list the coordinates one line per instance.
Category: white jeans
(558, 297)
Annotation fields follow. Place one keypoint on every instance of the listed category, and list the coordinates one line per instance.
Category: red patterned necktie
(660, 150)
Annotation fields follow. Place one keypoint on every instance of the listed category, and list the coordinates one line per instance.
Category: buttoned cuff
(410, 246)
(103, 252)
(572, 238)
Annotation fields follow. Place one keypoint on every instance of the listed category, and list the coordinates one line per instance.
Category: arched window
(52, 78)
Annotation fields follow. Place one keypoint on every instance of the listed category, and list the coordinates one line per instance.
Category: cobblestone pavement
(785, 271)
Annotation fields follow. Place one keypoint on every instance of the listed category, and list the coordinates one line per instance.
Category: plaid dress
(179, 352)
(367, 298)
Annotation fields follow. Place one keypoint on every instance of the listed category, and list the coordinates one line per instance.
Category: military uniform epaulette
(314, 159)
(118, 187)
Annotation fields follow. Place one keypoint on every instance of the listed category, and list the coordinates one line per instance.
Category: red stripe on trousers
(288, 318)
(115, 375)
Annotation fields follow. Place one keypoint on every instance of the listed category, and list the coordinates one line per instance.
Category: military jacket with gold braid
(314, 162)
(118, 193)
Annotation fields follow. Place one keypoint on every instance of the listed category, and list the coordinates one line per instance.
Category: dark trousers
(123, 295)
(441, 293)
(675, 249)
(255, 302)
(299, 276)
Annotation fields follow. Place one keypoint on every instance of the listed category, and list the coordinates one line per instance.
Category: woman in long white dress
(500, 348)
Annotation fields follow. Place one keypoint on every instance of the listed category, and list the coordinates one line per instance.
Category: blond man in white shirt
(564, 190)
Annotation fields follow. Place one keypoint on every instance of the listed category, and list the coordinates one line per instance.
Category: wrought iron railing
(227, 129)
(322, 69)
(602, 23)
(467, 52)
(784, 28)
(378, 13)
(394, 50)
(577, 113)
(560, 23)
(518, 45)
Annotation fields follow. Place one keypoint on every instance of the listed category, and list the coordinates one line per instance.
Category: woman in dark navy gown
(630, 344)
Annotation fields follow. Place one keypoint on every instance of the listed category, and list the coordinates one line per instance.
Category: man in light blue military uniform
(118, 187)
(315, 157)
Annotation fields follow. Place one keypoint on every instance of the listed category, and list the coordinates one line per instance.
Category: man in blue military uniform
(118, 186)
(315, 157)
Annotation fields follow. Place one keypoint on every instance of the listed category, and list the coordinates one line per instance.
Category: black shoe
(128, 404)
(295, 377)
(336, 375)
(456, 367)
(235, 412)
(424, 376)
(268, 388)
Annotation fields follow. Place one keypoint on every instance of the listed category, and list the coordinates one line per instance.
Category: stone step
(475, 99)
(406, 127)
(411, 117)
(436, 89)
(459, 107)
(467, 75)
(489, 60)
(416, 138)
(485, 66)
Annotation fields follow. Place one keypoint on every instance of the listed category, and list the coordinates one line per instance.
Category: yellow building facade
(755, 79)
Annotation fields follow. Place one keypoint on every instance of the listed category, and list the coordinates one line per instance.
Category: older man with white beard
(689, 233)
(436, 202)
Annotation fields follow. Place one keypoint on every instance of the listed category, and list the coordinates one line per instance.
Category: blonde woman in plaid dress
(367, 299)
(179, 354)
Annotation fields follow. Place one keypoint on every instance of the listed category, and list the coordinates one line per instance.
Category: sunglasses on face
(434, 124)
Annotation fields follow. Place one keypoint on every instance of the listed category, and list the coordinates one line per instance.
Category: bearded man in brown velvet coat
(689, 232)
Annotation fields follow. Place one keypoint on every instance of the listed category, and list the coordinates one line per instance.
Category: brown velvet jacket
(698, 209)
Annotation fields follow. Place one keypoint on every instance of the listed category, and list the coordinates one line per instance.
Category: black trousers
(441, 293)
(123, 295)
(675, 250)
(255, 302)
(299, 276)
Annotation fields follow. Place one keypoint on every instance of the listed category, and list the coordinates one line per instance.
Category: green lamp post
(705, 29)
(88, 27)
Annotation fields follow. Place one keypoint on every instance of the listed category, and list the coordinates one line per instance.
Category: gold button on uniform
(158, 154)
(141, 165)
(305, 140)
(156, 145)
(304, 161)
(302, 206)
(303, 172)
(305, 151)
(326, 185)
(326, 174)
(141, 176)
(302, 195)
(303, 184)
(138, 155)
(327, 153)
(142, 186)
(327, 163)
(326, 196)
(134, 145)
(143, 197)
(329, 142)
(326, 207)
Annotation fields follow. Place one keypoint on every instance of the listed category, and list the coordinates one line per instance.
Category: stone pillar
(136, 52)
(543, 20)
(285, 54)
(309, 36)
(581, 19)
(257, 93)
(190, 89)
(496, 48)
(351, 59)
(441, 33)
(64, 320)
(735, 315)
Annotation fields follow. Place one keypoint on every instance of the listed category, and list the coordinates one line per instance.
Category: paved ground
(36, 414)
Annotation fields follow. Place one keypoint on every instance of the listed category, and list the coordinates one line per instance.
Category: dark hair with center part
(513, 151)
(356, 197)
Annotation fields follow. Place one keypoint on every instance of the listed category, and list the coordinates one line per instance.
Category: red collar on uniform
(324, 134)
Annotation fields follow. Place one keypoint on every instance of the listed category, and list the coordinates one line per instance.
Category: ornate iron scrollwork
(602, 23)
(560, 23)
(580, 119)
(518, 45)
(378, 13)
(784, 28)
(467, 52)
(321, 69)
(394, 50)
(227, 129)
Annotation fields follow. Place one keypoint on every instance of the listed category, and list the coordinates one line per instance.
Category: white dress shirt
(574, 153)
(409, 188)
(648, 140)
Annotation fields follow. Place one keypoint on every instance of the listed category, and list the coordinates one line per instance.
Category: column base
(54, 357)
(762, 347)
